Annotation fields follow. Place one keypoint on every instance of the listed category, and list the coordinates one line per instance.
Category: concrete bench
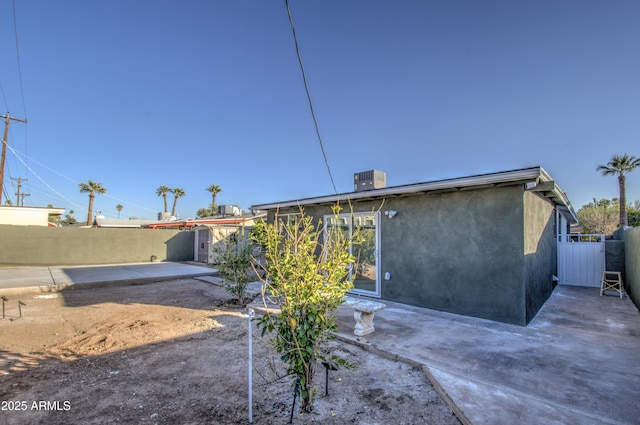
(364, 310)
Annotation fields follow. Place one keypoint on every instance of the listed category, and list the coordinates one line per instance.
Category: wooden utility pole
(7, 121)
(18, 194)
(22, 196)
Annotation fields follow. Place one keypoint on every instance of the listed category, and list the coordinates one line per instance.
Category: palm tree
(119, 208)
(177, 193)
(619, 165)
(93, 188)
(214, 189)
(162, 191)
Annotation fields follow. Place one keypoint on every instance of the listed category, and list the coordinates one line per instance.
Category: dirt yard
(177, 353)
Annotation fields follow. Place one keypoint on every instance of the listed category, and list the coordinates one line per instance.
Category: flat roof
(537, 178)
(49, 210)
(235, 220)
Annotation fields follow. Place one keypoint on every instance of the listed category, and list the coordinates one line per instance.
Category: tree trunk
(90, 211)
(173, 210)
(306, 402)
(623, 200)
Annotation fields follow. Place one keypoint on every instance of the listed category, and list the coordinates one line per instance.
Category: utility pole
(7, 121)
(23, 195)
(19, 180)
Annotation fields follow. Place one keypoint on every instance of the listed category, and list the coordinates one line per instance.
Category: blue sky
(138, 94)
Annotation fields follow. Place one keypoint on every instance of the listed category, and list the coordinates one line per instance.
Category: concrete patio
(578, 361)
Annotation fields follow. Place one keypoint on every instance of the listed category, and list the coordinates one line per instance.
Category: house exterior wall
(460, 252)
(540, 252)
(48, 246)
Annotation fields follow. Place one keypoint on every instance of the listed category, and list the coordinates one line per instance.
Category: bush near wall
(49, 246)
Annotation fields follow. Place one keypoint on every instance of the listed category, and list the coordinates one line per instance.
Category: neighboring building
(191, 223)
(210, 232)
(28, 216)
(482, 246)
(102, 221)
(185, 224)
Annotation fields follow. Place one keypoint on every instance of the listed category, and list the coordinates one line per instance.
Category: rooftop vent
(367, 180)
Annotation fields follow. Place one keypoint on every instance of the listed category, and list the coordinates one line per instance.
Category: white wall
(27, 216)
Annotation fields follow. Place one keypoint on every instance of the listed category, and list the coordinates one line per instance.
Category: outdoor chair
(612, 281)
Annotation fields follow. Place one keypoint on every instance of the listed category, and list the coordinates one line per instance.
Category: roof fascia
(511, 177)
(536, 175)
(548, 188)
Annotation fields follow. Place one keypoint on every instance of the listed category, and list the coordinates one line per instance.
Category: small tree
(600, 216)
(307, 278)
(633, 213)
(233, 262)
(203, 212)
(69, 219)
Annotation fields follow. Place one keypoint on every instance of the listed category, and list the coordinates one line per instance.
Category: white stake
(250, 316)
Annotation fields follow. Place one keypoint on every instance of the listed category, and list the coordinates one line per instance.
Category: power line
(42, 180)
(129, 203)
(306, 87)
(19, 154)
(4, 98)
(18, 61)
(15, 31)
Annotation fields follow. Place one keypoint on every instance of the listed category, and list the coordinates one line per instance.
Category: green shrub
(233, 262)
(307, 278)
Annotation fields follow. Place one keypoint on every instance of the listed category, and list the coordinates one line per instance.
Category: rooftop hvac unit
(164, 216)
(229, 210)
(367, 180)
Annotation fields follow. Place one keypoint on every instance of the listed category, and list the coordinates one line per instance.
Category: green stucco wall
(488, 253)
(459, 252)
(632, 264)
(614, 256)
(540, 252)
(48, 246)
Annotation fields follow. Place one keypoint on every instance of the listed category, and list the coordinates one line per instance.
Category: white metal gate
(581, 259)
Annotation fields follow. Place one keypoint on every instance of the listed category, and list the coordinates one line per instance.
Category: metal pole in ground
(3, 301)
(295, 394)
(250, 317)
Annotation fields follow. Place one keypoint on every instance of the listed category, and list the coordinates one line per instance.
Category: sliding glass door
(362, 230)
